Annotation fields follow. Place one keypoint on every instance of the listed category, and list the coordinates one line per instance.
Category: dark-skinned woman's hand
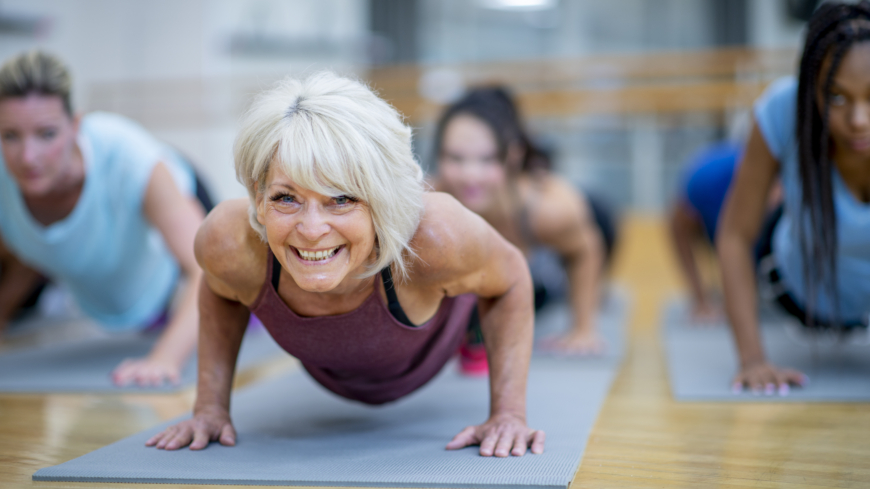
(768, 379)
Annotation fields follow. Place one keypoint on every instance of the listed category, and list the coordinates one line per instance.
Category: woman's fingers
(201, 437)
(538, 439)
(504, 444)
(145, 372)
(520, 445)
(228, 435)
(487, 446)
(768, 380)
(465, 438)
(789, 376)
(156, 439)
(500, 439)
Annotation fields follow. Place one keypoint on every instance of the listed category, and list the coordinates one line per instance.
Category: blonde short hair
(36, 72)
(334, 136)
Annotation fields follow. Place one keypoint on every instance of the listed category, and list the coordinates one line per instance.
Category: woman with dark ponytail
(488, 162)
(814, 133)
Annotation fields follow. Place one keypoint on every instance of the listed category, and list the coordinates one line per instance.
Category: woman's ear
(514, 157)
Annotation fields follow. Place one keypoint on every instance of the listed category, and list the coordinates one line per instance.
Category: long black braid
(832, 30)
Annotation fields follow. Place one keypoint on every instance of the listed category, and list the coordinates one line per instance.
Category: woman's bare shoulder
(229, 250)
(448, 233)
(558, 207)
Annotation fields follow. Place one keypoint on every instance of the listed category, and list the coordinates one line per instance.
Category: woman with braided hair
(814, 133)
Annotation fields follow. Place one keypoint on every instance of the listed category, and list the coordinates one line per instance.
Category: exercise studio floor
(642, 438)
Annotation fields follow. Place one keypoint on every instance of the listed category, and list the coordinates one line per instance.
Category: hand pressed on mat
(768, 379)
(580, 342)
(206, 426)
(502, 436)
(146, 371)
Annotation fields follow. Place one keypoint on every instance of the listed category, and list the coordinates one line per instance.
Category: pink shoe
(472, 360)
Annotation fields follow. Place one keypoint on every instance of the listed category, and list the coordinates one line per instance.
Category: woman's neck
(59, 202)
(507, 211)
(855, 170)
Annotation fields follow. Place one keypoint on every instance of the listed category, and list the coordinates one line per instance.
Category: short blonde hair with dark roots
(334, 136)
(36, 72)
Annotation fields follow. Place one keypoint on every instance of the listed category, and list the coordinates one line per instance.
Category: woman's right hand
(207, 425)
(768, 379)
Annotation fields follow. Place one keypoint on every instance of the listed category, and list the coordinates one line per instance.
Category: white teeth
(318, 255)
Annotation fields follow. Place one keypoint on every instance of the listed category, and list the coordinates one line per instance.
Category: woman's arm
(463, 254)
(17, 282)
(738, 229)
(564, 222)
(177, 218)
(223, 248)
(222, 325)
(685, 226)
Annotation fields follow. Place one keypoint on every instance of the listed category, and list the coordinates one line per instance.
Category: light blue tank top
(113, 261)
(776, 116)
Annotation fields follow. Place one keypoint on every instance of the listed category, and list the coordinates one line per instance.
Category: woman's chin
(318, 281)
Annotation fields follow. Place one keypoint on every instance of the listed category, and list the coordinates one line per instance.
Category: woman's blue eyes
(837, 99)
(341, 200)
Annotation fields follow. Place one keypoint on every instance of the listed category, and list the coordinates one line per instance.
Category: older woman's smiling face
(323, 242)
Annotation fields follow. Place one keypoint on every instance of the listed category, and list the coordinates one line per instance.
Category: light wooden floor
(642, 437)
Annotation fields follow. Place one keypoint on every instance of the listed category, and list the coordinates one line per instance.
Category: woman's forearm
(507, 323)
(17, 282)
(738, 280)
(179, 339)
(681, 234)
(584, 276)
(222, 326)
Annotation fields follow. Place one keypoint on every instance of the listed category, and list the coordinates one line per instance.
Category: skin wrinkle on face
(297, 218)
(469, 164)
(38, 140)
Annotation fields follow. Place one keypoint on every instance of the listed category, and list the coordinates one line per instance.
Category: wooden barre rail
(626, 68)
(644, 99)
(673, 82)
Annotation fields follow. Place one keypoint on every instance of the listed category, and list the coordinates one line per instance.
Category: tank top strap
(525, 226)
(393, 299)
(274, 271)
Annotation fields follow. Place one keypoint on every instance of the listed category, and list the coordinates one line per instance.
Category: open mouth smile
(320, 256)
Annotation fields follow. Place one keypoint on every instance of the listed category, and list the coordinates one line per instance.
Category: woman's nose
(29, 151)
(313, 224)
(860, 116)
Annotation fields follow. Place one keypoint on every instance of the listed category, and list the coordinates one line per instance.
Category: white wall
(770, 27)
(167, 63)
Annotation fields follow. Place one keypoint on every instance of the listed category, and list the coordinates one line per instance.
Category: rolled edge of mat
(254, 482)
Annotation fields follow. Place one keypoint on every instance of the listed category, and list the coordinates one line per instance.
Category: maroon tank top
(366, 355)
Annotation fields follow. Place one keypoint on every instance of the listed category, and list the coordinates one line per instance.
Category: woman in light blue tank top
(814, 133)
(100, 206)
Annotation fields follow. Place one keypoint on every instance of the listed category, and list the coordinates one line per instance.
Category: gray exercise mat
(293, 432)
(555, 319)
(703, 361)
(85, 365)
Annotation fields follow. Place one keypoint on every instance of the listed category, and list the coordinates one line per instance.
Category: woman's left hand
(146, 371)
(502, 436)
(580, 342)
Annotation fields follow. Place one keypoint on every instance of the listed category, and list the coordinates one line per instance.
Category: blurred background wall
(622, 92)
